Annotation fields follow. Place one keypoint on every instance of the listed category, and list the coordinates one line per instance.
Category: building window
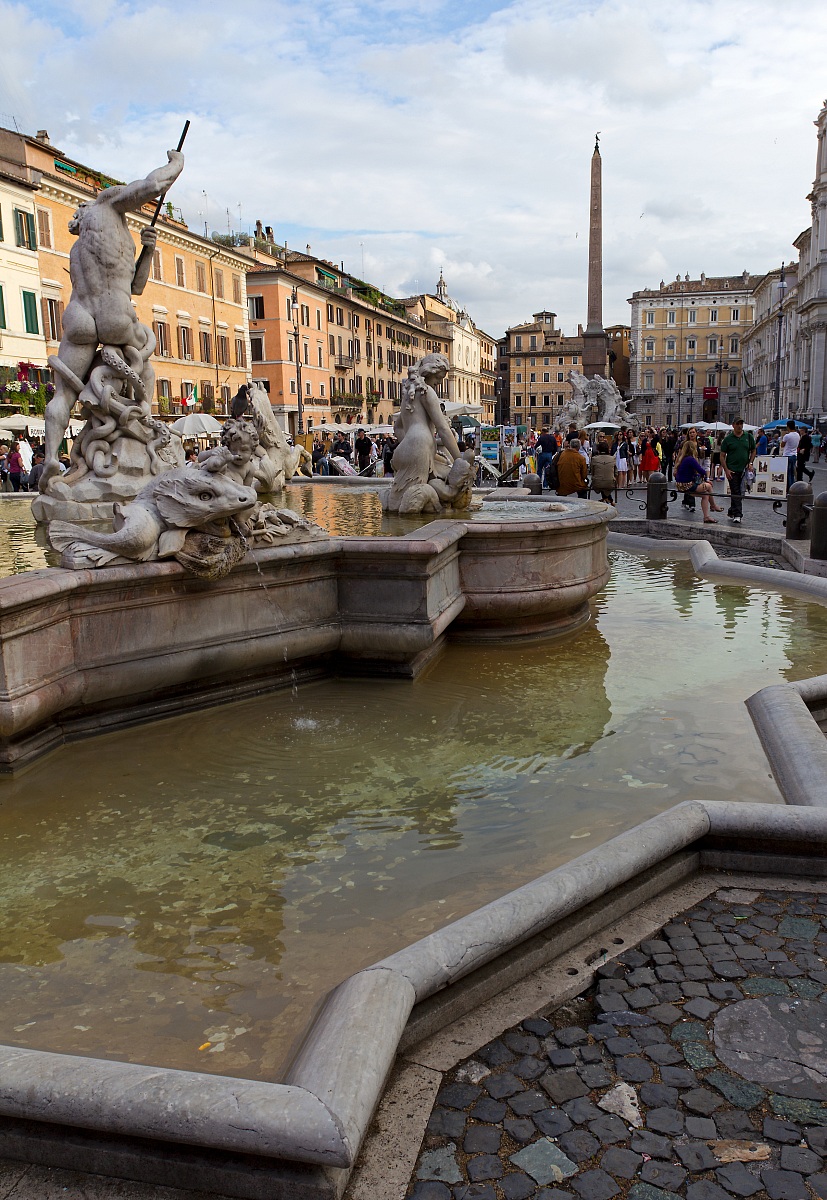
(307, 354)
(54, 320)
(236, 289)
(670, 381)
(574, 360)
(648, 381)
(650, 317)
(184, 342)
(180, 274)
(733, 345)
(30, 320)
(24, 229)
(257, 348)
(293, 387)
(692, 316)
(650, 348)
(205, 344)
(164, 389)
(690, 380)
(200, 277)
(222, 350)
(560, 362)
(712, 346)
(670, 346)
(713, 316)
(518, 400)
(255, 308)
(735, 315)
(240, 353)
(559, 397)
(546, 376)
(532, 377)
(518, 377)
(710, 379)
(218, 279)
(156, 266)
(691, 345)
(670, 317)
(733, 379)
(164, 349)
(518, 342)
(340, 317)
(320, 355)
(560, 376)
(546, 401)
(44, 228)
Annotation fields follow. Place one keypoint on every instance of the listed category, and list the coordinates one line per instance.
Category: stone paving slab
(21, 1181)
(695, 1068)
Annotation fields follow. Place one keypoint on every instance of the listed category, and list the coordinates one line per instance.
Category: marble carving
(427, 478)
(205, 515)
(104, 361)
(275, 459)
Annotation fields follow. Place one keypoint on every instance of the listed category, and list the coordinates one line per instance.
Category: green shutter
(19, 230)
(32, 228)
(2, 309)
(30, 312)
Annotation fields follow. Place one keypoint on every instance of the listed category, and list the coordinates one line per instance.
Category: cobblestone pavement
(695, 1067)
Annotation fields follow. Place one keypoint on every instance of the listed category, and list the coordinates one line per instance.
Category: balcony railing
(344, 362)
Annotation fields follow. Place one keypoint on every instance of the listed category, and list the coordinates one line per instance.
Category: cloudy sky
(410, 135)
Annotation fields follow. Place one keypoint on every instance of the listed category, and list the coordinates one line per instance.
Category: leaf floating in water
(581, 834)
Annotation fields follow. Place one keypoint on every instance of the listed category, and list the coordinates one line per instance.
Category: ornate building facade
(535, 359)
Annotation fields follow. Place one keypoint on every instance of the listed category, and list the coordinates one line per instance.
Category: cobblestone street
(695, 1067)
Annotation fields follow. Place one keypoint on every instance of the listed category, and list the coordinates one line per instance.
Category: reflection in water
(23, 547)
(348, 510)
(185, 893)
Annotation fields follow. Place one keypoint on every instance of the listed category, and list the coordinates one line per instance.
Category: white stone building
(21, 322)
(812, 288)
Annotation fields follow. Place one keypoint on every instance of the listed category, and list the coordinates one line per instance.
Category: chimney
(268, 229)
(259, 230)
(42, 136)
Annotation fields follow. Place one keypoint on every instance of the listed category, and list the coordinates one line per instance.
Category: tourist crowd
(21, 464)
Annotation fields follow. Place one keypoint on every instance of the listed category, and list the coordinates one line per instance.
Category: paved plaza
(696, 1067)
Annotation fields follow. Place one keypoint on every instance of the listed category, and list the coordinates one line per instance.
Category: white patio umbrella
(19, 421)
(717, 426)
(196, 425)
(602, 425)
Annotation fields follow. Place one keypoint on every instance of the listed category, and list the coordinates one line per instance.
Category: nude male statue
(104, 277)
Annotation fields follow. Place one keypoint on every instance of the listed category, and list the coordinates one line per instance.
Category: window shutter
(44, 316)
(180, 341)
(31, 231)
(19, 231)
(44, 229)
(30, 312)
(2, 309)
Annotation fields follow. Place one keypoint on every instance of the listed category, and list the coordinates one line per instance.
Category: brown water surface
(185, 893)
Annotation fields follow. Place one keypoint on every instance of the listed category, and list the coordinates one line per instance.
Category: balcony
(344, 362)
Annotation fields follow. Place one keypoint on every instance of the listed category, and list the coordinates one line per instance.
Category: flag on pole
(192, 398)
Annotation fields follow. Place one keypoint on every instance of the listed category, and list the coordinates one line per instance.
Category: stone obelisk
(595, 342)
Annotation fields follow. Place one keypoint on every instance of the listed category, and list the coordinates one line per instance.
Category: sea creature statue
(205, 515)
(613, 408)
(424, 481)
(277, 461)
(104, 361)
(160, 521)
(584, 400)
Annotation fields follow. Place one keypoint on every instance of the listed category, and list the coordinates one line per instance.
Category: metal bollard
(818, 528)
(657, 507)
(532, 482)
(799, 502)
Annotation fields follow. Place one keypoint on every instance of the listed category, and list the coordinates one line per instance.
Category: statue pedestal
(90, 497)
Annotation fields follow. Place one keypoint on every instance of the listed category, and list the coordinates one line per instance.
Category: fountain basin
(83, 652)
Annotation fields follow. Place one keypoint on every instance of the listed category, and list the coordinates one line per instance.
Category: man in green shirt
(737, 453)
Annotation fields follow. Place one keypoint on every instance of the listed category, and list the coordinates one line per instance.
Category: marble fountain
(200, 591)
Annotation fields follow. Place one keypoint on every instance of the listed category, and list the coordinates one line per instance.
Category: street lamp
(680, 393)
(782, 287)
(294, 308)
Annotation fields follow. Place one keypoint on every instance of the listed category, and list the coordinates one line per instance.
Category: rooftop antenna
(206, 203)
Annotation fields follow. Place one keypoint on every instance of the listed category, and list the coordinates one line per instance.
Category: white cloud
(456, 135)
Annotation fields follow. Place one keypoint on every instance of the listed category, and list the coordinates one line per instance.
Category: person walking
(546, 447)
(15, 464)
(668, 443)
(649, 460)
(737, 455)
(789, 450)
(815, 438)
(805, 449)
(622, 460)
(363, 447)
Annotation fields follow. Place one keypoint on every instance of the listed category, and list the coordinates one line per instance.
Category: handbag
(689, 485)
